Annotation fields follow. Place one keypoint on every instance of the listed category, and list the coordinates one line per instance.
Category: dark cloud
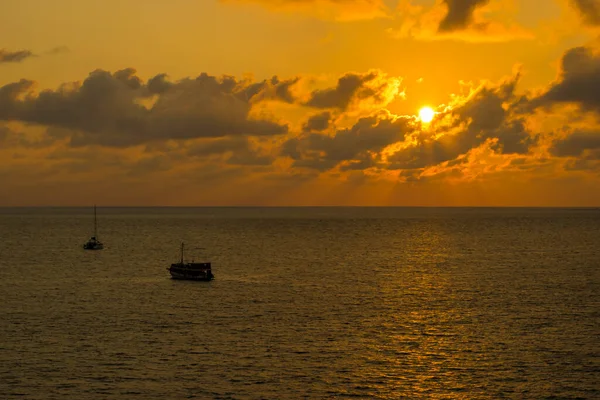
(358, 145)
(283, 89)
(426, 153)
(317, 122)
(576, 144)
(340, 96)
(589, 10)
(579, 81)
(107, 108)
(14, 56)
(460, 14)
(488, 117)
(292, 148)
(513, 137)
(350, 88)
(22, 55)
(158, 84)
(271, 89)
(11, 103)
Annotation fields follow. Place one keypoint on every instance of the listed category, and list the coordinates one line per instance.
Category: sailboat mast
(181, 252)
(95, 223)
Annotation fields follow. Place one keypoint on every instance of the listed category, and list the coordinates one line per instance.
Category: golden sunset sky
(300, 102)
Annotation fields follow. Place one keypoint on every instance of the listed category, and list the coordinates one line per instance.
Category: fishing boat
(93, 243)
(193, 271)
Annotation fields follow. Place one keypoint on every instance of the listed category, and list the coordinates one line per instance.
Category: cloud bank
(285, 140)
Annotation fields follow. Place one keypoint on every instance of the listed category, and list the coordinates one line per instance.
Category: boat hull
(191, 272)
(93, 246)
(188, 277)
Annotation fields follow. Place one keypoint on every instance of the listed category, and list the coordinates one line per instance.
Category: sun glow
(426, 114)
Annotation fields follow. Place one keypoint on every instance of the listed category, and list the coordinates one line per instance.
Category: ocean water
(308, 303)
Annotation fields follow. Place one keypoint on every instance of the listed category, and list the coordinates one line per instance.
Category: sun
(426, 114)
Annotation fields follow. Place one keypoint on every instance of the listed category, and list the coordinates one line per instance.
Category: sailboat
(191, 270)
(94, 243)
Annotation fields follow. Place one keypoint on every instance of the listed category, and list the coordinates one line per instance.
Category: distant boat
(94, 243)
(191, 270)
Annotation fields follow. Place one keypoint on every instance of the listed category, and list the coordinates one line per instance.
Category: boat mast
(95, 223)
(181, 252)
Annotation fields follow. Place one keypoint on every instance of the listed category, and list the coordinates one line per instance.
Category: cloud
(578, 144)
(578, 81)
(462, 20)
(460, 14)
(482, 117)
(273, 89)
(107, 108)
(210, 118)
(317, 122)
(589, 10)
(373, 89)
(358, 145)
(340, 10)
(250, 139)
(14, 56)
(7, 56)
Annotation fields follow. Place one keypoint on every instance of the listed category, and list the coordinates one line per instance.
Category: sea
(307, 303)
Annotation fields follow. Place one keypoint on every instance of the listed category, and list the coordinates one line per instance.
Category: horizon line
(302, 206)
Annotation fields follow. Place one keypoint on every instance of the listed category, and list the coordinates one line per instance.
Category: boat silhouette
(93, 243)
(194, 271)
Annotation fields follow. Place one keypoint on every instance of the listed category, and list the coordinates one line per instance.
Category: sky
(300, 103)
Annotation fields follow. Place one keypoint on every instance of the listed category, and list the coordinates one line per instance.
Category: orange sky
(300, 102)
